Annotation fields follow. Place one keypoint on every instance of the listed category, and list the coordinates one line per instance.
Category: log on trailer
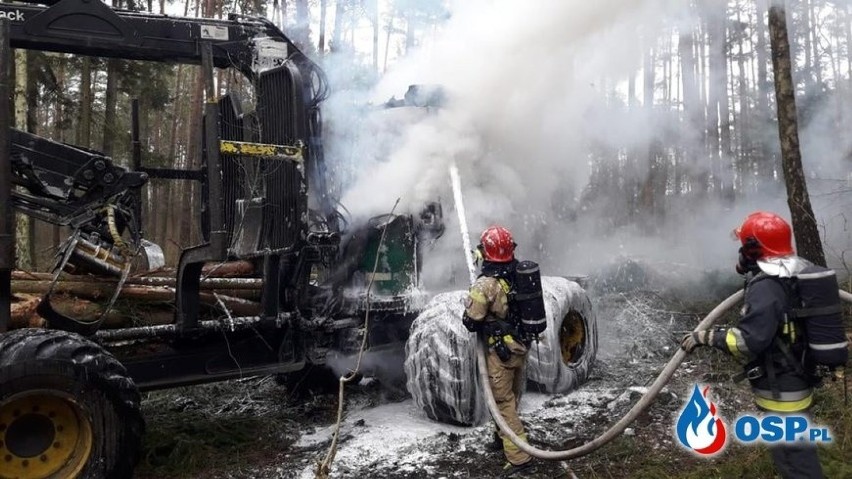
(143, 300)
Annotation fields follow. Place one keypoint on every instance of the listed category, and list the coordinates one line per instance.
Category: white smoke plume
(530, 92)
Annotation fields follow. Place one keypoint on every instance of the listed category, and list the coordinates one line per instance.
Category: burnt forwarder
(69, 392)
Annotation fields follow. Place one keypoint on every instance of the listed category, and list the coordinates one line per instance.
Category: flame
(698, 428)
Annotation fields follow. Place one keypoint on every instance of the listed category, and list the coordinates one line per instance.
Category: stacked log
(145, 299)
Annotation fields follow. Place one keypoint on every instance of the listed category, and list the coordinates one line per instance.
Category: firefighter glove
(471, 324)
(695, 339)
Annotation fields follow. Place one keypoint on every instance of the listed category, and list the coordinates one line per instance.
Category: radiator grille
(282, 121)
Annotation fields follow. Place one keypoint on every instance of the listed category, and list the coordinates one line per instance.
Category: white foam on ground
(399, 434)
(387, 431)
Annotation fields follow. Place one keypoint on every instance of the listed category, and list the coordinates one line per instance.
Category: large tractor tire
(67, 408)
(440, 361)
(562, 358)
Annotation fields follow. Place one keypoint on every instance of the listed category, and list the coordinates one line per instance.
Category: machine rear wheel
(562, 358)
(440, 363)
(440, 360)
(67, 408)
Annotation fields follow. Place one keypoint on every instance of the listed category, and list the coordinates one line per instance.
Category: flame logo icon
(698, 428)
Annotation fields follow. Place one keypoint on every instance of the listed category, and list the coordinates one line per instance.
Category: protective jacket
(487, 309)
(778, 379)
(488, 298)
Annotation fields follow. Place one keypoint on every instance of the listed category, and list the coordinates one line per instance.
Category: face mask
(747, 262)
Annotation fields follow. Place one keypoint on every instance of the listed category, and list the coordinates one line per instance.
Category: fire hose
(640, 406)
(618, 427)
(644, 402)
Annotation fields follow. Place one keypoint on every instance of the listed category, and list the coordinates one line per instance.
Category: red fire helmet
(497, 244)
(772, 233)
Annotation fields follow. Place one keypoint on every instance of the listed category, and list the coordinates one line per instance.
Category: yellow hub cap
(572, 336)
(43, 434)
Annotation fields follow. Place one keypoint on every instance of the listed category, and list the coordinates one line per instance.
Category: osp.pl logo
(698, 428)
(703, 432)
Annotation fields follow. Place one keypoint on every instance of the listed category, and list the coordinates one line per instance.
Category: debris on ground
(386, 436)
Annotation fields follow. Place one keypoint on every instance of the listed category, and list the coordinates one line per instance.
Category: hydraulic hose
(618, 427)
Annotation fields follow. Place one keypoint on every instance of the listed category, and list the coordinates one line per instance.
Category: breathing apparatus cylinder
(821, 314)
(528, 298)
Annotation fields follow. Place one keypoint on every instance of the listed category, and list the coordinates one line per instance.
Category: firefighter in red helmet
(764, 337)
(487, 310)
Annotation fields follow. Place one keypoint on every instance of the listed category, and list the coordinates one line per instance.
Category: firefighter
(761, 337)
(487, 310)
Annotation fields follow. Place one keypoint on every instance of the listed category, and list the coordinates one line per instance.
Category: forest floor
(254, 428)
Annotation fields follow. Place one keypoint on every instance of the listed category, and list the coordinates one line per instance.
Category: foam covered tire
(562, 359)
(67, 408)
(440, 363)
(440, 357)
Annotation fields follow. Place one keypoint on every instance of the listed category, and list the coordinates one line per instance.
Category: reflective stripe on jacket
(752, 340)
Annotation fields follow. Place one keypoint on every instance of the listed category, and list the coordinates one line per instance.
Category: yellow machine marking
(243, 148)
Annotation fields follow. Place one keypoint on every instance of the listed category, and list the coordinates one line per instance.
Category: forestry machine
(70, 384)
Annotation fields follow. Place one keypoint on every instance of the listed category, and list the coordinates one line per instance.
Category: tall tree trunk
(20, 102)
(32, 124)
(804, 18)
(193, 159)
(59, 129)
(32, 91)
(725, 180)
(323, 16)
(813, 31)
(808, 241)
(84, 128)
(847, 19)
(387, 40)
(165, 188)
(23, 222)
(645, 190)
(744, 135)
(410, 27)
(693, 111)
(302, 32)
(718, 121)
(144, 142)
(375, 19)
(337, 34)
(764, 160)
(109, 106)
